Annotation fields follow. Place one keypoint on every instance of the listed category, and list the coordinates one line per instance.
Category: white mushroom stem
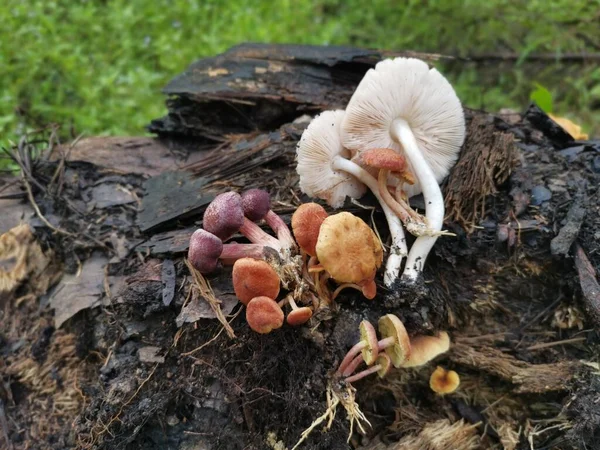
(434, 202)
(398, 249)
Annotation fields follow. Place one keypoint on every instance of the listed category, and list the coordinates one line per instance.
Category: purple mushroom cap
(224, 216)
(205, 249)
(256, 204)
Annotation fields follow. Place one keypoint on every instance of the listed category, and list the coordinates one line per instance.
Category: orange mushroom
(264, 315)
(254, 278)
(444, 381)
(306, 223)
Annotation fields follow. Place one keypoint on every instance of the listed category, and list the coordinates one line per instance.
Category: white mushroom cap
(319, 144)
(408, 89)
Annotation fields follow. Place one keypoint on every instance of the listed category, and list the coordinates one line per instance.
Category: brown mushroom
(350, 252)
(425, 348)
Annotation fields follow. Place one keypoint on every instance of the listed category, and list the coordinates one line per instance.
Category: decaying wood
(527, 378)
(153, 365)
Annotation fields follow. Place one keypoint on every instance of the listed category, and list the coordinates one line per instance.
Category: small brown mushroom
(306, 223)
(444, 381)
(350, 252)
(264, 315)
(299, 315)
(254, 278)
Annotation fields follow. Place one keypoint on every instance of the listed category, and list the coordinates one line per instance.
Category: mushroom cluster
(399, 136)
(394, 348)
(340, 247)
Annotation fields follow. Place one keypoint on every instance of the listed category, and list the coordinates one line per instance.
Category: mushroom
(327, 173)
(389, 161)
(425, 348)
(350, 252)
(264, 315)
(367, 347)
(444, 381)
(382, 367)
(395, 341)
(254, 278)
(306, 223)
(206, 249)
(404, 105)
(257, 205)
(298, 315)
(224, 216)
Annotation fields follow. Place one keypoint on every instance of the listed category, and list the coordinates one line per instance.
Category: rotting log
(102, 350)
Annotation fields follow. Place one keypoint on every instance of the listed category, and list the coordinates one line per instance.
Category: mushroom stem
(398, 249)
(381, 346)
(234, 251)
(281, 229)
(350, 356)
(256, 235)
(434, 202)
(364, 373)
(414, 223)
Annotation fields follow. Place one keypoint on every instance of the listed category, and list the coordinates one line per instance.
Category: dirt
(118, 373)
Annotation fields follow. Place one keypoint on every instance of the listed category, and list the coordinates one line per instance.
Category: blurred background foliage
(97, 67)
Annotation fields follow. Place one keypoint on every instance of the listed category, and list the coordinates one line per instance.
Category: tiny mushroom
(367, 347)
(404, 105)
(298, 315)
(224, 216)
(257, 206)
(382, 367)
(306, 223)
(425, 348)
(254, 278)
(444, 381)
(350, 252)
(264, 315)
(206, 249)
(327, 173)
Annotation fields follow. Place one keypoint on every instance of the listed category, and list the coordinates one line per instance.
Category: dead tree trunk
(103, 345)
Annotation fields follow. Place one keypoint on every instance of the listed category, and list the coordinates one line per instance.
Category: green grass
(97, 67)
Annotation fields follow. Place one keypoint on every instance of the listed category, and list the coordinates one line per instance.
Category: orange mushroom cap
(384, 158)
(425, 348)
(306, 223)
(299, 316)
(349, 250)
(254, 278)
(264, 315)
(444, 381)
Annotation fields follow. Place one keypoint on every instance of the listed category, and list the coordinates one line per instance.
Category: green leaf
(542, 97)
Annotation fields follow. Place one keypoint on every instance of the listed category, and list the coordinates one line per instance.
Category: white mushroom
(327, 174)
(404, 105)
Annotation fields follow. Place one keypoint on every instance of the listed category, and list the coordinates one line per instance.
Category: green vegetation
(97, 67)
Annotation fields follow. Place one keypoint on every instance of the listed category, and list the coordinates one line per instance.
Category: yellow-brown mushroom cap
(425, 348)
(390, 326)
(254, 278)
(264, 315)
(348, 249)
(368, 335)
(444, 381)
(306, 223)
